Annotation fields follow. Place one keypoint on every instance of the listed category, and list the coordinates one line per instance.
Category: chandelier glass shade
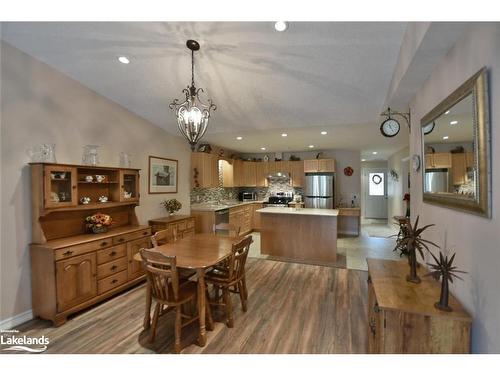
(192, 114)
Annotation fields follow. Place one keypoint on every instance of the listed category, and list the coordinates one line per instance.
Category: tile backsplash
(201, 195)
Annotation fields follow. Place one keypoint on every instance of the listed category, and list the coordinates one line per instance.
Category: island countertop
(299, 211)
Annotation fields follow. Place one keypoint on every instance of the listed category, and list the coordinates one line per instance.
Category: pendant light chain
(192, 68)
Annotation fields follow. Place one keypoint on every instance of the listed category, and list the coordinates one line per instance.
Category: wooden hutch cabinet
(71, 268)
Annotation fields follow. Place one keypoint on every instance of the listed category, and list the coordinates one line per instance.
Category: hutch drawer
(111, 253)
(110, 268)
(111, 282)
(131, 236)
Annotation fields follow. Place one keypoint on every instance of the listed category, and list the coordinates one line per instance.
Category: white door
(375, 193)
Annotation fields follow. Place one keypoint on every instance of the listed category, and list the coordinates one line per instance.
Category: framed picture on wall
(162, 175)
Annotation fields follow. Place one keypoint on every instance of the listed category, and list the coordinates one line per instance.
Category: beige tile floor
(356, 249)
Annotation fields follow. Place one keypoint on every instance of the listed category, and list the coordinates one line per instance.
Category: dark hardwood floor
(292, 308)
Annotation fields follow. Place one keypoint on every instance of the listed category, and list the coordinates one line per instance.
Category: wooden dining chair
(167, 291)
(231, 279)
(227, 229)
(169, 235)
(164, 236)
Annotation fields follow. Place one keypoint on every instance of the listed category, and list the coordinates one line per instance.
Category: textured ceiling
(315, 76)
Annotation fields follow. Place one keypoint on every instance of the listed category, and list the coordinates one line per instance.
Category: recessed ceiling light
(363, 159)
(311, 146)
(374, 152)
(263, 148)
(239, 138)
(445, 137)
(281, 26)
(454, 122)
(284, 135)
(448, 111)
(123, 59)
(324, 133)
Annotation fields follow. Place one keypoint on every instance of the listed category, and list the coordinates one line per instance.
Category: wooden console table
(184, 224)
(402, 317)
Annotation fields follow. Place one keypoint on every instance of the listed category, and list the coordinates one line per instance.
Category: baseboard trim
(14, 321)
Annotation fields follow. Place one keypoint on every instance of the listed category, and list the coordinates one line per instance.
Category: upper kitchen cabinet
(249, 174)
(238, 175)
(282, 166)
(226, 168)
(205, 170)
(261, 173)
(297, 173)
(319, 165)
(438, 160)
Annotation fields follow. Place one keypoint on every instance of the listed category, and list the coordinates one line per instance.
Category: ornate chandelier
(192, 114)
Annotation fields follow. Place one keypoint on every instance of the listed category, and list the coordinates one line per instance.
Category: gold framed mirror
(456, 160)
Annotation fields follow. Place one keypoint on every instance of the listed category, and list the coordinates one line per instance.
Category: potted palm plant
(446, 271)
(412, 242)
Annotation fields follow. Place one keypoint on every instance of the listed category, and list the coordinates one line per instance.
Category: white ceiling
(315, 76)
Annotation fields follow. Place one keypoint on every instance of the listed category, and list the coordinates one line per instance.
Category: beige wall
(395, 204)
(474, 239)
(41, 105)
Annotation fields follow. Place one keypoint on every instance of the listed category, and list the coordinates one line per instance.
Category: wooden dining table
(197, 252)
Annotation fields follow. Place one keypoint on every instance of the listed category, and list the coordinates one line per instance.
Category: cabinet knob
(104, 243)
(114, 281)
(144, 233)
(112, 254)
(121, 239)
(114, 268)
(66, 253)
(74, 186)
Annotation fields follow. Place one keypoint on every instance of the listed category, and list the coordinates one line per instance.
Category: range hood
(279, 176)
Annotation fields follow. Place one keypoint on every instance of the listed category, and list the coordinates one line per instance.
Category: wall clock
(427, 129)
(416, 162)
(390, 128)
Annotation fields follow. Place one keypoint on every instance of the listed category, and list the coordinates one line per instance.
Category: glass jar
(90, 155)
(124, 160)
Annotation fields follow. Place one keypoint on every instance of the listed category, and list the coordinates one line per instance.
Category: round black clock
(390, 128)
(427, 129)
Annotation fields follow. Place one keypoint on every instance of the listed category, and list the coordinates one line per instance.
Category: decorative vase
(97, 230)
(90, 155)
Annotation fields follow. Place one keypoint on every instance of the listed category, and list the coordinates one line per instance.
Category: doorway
(375, 191)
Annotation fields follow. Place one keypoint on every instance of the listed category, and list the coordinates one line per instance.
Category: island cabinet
(241, 217)
(72, 269)
(319, 165)
(402, 317)
(183, 224)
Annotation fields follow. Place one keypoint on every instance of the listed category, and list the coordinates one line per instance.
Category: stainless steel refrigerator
(436, 180)
(319, 192)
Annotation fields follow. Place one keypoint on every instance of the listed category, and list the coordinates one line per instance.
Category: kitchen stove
(279, 199)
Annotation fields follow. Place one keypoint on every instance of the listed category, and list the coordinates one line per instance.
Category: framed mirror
(456, 148)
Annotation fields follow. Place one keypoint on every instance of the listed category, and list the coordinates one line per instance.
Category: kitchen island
(302, 234)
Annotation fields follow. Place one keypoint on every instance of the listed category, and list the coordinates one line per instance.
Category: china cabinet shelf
(97, 183)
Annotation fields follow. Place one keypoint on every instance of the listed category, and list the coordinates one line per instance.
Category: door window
(376, 184)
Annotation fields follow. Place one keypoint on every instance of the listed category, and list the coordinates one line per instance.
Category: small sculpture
(411, 242)
(445, 270)
(85, 200)
(103, 199)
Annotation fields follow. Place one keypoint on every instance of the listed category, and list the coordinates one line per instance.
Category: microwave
(246, 196)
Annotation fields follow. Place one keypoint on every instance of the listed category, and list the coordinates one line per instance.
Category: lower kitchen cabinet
(241, 216)
(402, 317)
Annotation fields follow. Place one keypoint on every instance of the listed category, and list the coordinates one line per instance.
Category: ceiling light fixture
(239, 138)
(263, 148)
(192, 114)
(374, 152)
(284, 135)
(311, 146)
(363, 159)
(445, 137)
(281, 26)
(448, 111)
(124, 59)
(453, 122)
(324, 133)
